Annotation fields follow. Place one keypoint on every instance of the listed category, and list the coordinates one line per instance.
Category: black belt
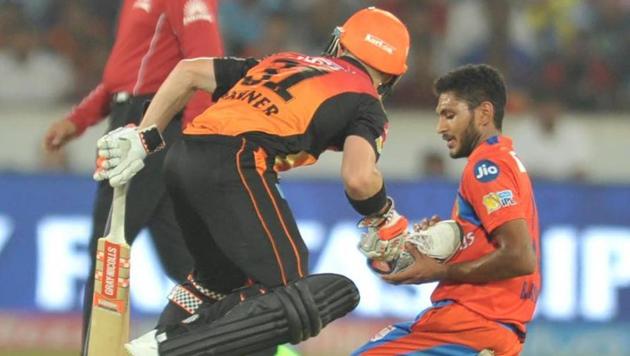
(124, 97)
(121, 97)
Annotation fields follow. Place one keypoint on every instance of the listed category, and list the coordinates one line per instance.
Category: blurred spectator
(10, 16)
(318, 18)
(426, 21)
(555, 23)
(83, 39)
(583, 51)
(494, 32)
(551, 145)
(433, 165)
(414, 89)
(244, 25)
(275, 35)
(578, 48)
(31, 75)
(609, 46)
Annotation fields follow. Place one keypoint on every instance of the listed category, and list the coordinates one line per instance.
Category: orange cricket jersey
(494, 189)
(297, 106)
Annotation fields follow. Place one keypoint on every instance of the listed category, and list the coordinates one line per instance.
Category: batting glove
(404, 260)
(385, 236)
(121, 153)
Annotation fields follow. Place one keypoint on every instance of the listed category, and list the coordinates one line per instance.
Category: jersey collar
(493, 143)
(355, 63)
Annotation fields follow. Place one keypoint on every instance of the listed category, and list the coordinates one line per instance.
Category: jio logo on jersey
(486, 171)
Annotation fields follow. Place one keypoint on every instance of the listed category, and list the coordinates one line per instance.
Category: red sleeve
(490, 186)
(92, 109)
(195, 23)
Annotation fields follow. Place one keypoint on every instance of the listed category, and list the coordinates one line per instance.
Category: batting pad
(286, 314)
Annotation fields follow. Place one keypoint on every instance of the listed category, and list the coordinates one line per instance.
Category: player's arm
(514, 257)
(361, 149)
(361, 177)
(92, 109)
(514, 253)
(188, 76)
(121, 152)
(212, 75)
(365, 188)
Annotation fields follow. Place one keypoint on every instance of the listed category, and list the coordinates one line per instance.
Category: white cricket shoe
(145, 345)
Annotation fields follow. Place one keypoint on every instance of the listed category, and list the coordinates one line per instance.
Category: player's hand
(385, 234)
(403, 261)
(58, 134)
(424, 269)
(121, 154)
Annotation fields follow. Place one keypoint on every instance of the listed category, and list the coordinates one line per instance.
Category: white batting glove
(121, 153)
(385, 236)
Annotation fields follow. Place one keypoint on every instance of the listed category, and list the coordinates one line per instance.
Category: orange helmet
(377, 38)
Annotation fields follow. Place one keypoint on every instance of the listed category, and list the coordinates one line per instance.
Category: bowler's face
(456, 125)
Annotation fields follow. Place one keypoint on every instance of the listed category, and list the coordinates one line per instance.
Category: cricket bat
(109, 324)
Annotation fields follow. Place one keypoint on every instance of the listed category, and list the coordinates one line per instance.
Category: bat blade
(109, 323)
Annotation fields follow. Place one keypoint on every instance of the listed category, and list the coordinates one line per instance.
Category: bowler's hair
(475, 84)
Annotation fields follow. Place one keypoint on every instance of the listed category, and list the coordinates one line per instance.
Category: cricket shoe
(145, 345)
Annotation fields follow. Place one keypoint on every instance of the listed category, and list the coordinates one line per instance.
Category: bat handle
(117, 227)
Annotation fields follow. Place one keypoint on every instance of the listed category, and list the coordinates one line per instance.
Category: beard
(469, 140)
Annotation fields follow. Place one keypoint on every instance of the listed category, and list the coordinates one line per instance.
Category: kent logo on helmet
(378, 39)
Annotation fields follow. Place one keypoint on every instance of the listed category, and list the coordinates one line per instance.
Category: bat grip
(117, 225)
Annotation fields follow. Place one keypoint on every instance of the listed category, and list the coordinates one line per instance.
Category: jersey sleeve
(370, 123)
(91, 110)
(228, 71)
(491, 187)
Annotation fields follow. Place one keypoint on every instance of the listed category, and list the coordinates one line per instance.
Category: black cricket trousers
(148, 205)
(236, 223)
